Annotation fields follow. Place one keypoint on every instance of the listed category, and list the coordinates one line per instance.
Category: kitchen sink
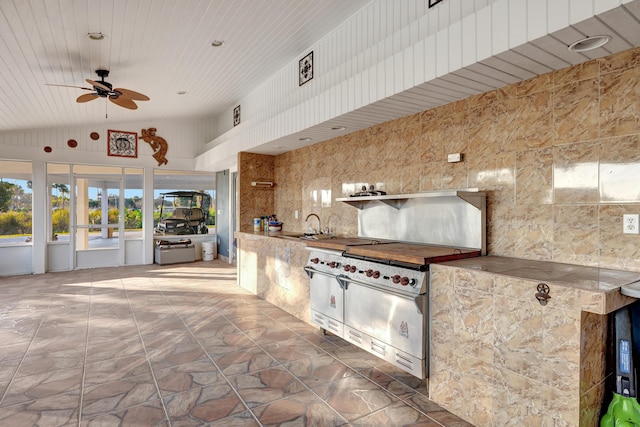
(302, 236)
(290, 237)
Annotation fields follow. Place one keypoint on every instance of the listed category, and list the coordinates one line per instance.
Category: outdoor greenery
(6, 194)
(16, 211)
(15, 222)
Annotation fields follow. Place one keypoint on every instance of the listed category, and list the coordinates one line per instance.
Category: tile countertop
(587, 280)
(576, 276)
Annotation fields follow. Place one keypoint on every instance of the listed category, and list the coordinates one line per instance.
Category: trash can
(207, 251)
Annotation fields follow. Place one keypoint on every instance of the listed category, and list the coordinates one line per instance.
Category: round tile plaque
(94, 135)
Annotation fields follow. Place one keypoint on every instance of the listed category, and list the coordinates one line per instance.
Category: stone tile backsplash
(558, 155)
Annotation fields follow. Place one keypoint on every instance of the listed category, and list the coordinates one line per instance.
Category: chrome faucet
(319, 226)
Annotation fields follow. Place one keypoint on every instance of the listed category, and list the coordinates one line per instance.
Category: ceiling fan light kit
(102, 89)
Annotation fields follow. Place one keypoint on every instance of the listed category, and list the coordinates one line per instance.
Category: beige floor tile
(135, 346)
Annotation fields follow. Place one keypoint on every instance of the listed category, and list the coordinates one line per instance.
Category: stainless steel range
(374, 292)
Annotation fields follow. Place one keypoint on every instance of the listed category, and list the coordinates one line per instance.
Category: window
(133, 197)
(184, 202)
(15, 203)
(59, 185)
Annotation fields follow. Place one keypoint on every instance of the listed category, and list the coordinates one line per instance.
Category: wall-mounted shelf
(396, 201)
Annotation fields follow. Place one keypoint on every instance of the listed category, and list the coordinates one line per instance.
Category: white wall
(184, 137)
(387, 48)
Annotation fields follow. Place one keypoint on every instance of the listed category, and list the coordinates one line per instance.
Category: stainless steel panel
(416, 366)
(326, 296)
(327, 323)
(391, 319)
(446, 221)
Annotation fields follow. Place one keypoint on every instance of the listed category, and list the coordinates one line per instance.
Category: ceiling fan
(103, 89)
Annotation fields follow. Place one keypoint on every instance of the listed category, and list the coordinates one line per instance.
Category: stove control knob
(352, 269)
(413, 282)
(404, 281)
(334, 264)
(346, 267)
(376, 274)
(369, 273)
(315, 260)
(395, 279)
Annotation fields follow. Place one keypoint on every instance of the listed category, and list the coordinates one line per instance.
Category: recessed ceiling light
(217, 43)
(182, 92)
(304, 139)
(589, 43)
(96, 36)
(338, 128)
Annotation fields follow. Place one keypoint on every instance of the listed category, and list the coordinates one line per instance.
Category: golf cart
(184, 212)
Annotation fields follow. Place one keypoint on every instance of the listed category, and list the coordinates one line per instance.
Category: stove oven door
(326, 301)
(389, 325)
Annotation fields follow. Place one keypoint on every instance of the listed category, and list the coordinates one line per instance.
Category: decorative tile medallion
(122, 143)
(236, 116)
(306, 68)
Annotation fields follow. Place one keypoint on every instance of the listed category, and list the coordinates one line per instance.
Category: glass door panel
(97, 220)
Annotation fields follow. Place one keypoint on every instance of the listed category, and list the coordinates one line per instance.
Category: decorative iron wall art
(122, 143)
(236, 116)
(306, 68)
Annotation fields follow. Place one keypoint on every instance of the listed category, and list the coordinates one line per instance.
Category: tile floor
(183, 345)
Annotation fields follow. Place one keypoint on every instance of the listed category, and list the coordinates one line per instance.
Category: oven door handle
(343, 280)
(348, 280)
(311, 271)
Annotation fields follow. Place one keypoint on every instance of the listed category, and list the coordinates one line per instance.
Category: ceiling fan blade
(98, 84)
(77, 87)
(124, 102)
(87, 97)
(132, 94)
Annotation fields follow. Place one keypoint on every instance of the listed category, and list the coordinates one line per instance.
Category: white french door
(97, 222)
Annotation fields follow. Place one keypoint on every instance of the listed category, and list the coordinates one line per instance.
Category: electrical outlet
(630, 222)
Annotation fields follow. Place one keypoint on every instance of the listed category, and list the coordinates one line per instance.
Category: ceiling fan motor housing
(102, 73)
(100, 91)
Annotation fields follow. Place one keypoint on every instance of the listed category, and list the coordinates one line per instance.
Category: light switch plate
(454, 158)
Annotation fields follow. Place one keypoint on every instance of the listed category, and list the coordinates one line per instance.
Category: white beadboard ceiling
(156, 47)
(498, 43)
(160, 47)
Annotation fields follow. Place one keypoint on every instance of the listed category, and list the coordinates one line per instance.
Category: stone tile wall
(499, 358)
(558, 155)
(254, 202)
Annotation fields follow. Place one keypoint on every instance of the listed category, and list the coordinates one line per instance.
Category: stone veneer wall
(558, 155)
(254, 201)
(499, 358)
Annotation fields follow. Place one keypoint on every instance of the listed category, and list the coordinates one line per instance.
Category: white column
(82, 213)
(40, 214)
(104, 208)
(147, 216)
